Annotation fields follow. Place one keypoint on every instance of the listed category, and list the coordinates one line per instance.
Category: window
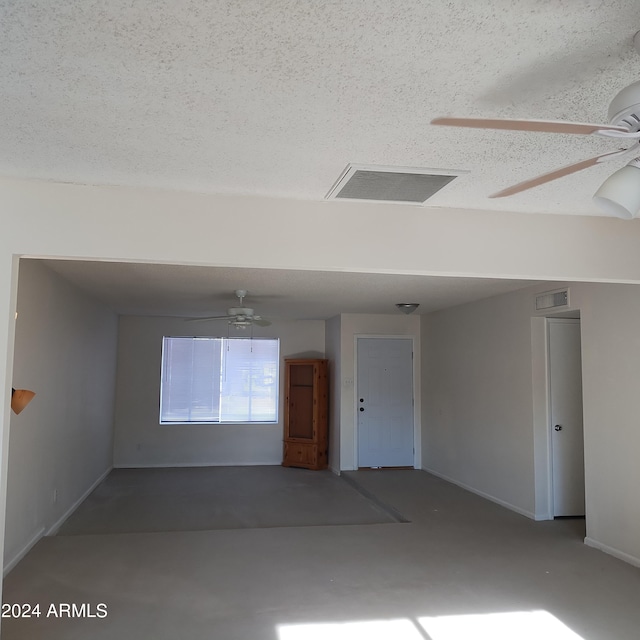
(213, 380)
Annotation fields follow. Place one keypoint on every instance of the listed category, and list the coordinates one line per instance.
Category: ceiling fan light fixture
(619, 194)
(407, 307)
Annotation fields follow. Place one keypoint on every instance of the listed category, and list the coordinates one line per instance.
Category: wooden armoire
(306, 407)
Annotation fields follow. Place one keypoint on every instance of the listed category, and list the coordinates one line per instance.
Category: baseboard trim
(23, 552)
(482, 494)
(53, 529)
(171, 465)
(620, 555)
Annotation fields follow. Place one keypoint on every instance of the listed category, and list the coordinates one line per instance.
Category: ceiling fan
(619, 195)
(239, 317)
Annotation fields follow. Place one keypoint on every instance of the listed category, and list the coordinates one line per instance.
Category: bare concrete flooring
(460, 568)
(207, 498)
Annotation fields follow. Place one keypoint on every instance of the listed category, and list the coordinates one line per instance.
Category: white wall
(484, 419)
(477, 398)
(352, 325)
(610, 317)
(332, 343)
(65, 350)
(139, 438)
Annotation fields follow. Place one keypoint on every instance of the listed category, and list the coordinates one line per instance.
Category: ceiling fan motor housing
(240, 311)
(624, 110)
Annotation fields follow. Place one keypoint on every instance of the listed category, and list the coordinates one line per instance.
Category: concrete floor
(461, 568)
(209, 498)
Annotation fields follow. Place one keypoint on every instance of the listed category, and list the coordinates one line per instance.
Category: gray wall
(611, 372)
(140, 441)
(65, 351)
(484, 419)
(477, 398)
(332, 341)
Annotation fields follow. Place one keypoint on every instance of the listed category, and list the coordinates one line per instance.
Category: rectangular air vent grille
(552, 299)
(389, 184)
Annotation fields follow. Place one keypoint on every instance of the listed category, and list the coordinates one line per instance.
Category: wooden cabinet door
(299, 406)
(305, 414)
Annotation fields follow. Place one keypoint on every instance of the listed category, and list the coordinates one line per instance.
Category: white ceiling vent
(552, 299)
(389, 184)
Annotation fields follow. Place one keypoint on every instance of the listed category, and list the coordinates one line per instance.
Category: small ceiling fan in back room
(619, 194)
(239, 317)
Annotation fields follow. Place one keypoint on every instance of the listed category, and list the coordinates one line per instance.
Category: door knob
(558, 427)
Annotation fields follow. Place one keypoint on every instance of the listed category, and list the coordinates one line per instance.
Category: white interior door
(385, 402)
(567, 436)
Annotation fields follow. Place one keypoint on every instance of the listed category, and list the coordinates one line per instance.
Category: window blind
(211, 380)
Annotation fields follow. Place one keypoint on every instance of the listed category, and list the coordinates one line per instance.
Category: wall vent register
(552, 299)
(406, 185)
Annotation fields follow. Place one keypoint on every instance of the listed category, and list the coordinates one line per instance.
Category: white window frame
(225, 344)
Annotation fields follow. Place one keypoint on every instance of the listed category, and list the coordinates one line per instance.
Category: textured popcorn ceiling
(275, 97)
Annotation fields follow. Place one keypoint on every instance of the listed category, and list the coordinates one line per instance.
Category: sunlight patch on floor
(370, 629)
(524, 625)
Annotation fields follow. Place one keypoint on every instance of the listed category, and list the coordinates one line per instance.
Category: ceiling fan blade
(208, 318)
(261, 322)
(554, 175)
(550, 126)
